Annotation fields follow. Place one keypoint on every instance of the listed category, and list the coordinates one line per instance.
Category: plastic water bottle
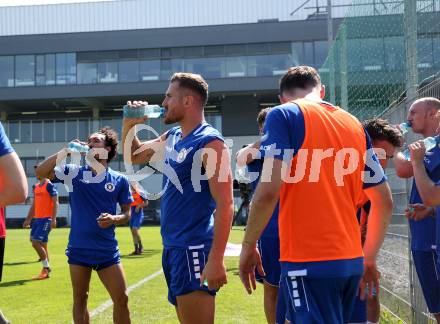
(151, 111)
(404, 127)
(430, 143)
(241, 174)
(78, 147)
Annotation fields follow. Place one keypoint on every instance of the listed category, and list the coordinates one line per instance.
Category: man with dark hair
(269, 243)
(385, 139)
(196, 214)
(94, 192)
(314, 164)
(43, 211)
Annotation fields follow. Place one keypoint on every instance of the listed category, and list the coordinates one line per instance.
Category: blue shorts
(40, 229)
(359, 312)
(318, 300)
(136, 218)
(269, 248)
(94, 259)
(182, 269)
(425, 263)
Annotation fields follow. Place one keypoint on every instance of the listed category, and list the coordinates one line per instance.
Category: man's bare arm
(13, 187)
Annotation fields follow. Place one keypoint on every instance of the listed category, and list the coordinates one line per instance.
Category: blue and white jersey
(88, 199)
(187, 206)
(423, 236)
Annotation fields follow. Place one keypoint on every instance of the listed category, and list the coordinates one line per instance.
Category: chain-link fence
(385, 55)
(401, 289)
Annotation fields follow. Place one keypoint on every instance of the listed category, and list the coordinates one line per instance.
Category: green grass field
(23, 300)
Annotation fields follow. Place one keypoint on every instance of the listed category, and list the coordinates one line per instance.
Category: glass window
(259, 48)
(216, 50)
(166, 52)
(280, 48)
(259, 65)
(308, 53)
(6, 71)
(71, 68)
(424, 52)
(25, 131)
(72, 130)
(128, 71)
(108, 72)
(235, 67)
(280, 63)
(168, 67)
(239, 49)
(40, 70)
(193, 51)
(149, 53)
(50, 69)
(321, 50)
(115, 123)
(24, 70)
(372, 54)
(48, 131)
(37, 131)
(87, 73)
(60, 131)
(14, 132)
(210, 68)
(149, 70)
(61, 68)
(128, 54)
(395, 53)
(297, 53)
(83, 129)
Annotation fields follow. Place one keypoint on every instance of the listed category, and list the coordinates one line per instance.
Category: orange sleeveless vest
(137, 199)
(317, 218)
(43, 201)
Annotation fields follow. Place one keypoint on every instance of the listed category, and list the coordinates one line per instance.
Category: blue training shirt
(284, 129)
(88, 200)
(423, 234)
(5, 144)
(271, 229)
(187, 206)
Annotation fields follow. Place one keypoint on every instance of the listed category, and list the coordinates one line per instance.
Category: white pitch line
(109, 302)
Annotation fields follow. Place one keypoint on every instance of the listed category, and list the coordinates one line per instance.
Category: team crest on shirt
(110, 187)
(182, 155)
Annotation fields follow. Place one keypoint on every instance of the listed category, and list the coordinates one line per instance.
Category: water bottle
(404, 127)
(151, 111)
(241, 174)
(78, 147)
(430, 143)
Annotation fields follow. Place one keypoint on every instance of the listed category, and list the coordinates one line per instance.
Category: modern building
(67, 69)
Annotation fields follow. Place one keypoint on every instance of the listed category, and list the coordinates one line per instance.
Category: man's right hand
(135, 105)
(370, 281)
(26, 223)
(418, 212)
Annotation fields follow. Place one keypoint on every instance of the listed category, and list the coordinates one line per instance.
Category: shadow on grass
(14, 283)
(19, 263)
(145, 254)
